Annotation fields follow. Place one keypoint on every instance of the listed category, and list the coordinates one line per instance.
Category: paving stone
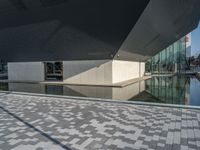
(47, 123)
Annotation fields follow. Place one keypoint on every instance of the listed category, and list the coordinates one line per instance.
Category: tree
(198, 60)
(192, 58)
(198, 57)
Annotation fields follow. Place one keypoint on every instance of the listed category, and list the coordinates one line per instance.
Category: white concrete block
(126, 70)
(87, 72)
(26, 71)
(80, 72)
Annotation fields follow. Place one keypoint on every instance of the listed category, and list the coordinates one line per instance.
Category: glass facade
(3, 68)
(170, 60)
(3, 71)
(170, 89)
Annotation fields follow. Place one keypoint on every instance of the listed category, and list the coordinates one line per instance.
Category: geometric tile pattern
(46, 123)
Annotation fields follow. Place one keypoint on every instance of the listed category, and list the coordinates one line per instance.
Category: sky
(195, 45)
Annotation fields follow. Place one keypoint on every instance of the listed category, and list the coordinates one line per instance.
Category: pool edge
(105, 100)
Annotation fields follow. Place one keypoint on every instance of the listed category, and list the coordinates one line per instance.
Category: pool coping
(105, 100)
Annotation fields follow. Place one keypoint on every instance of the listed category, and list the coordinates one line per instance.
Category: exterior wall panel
(87, 72)
(126, 70)
(29, 71)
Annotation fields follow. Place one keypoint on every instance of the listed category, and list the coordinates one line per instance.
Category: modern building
(89, 42)
(173, 59)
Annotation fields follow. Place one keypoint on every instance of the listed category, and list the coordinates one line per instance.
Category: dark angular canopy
(45, 30)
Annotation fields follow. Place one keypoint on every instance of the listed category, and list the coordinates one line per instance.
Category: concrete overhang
(162, 23)
(44, 30)
(41, 30)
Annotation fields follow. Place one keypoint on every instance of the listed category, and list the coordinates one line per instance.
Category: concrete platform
(120, 84)
(43, 122)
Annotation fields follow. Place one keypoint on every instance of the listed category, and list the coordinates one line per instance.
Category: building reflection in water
(81, 91)
(173, 89)
(162, 89)
(107, 92)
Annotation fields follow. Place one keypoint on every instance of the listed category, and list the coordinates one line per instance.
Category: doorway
(53, 71)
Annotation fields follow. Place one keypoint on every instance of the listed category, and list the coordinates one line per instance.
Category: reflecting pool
(183, 90)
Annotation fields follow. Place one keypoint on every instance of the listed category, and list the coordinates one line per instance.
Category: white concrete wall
(87, 72)
(26, 71)
(126, 70)
(99, 72)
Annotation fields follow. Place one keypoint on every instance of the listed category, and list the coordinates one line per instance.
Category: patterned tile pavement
(37, 123)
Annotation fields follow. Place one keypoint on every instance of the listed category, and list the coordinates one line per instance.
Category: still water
(183, 90)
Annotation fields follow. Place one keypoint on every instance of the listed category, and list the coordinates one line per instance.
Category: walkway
(36, 123)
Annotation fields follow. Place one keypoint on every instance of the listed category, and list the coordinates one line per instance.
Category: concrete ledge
(106, 100)
(164, 75)
(120, 84)
(128, 82)
(77, 84)
(11, 81)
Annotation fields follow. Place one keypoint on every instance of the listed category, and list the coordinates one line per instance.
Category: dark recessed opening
(48, 3)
